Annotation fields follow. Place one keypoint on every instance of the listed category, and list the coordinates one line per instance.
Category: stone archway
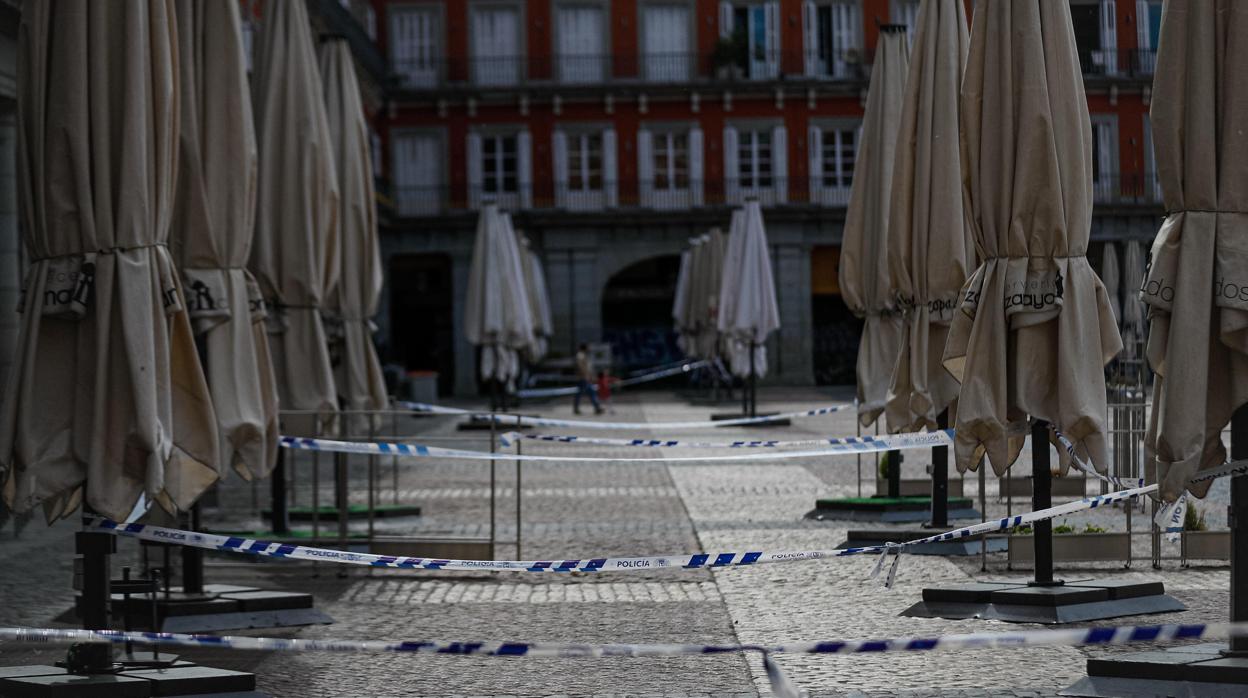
(637, 313)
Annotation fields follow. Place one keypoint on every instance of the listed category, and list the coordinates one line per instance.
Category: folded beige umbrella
(539, 300)
(213, 219)
(295, 252)
(1197, 285)
(1034, 329)
(930, 251)
(107, 394)
(353, 302)
(866, 282)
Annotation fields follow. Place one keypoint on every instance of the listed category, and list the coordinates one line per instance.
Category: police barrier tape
(833, 447)
(780, 684)
(846, 444)
(513, 419)
(620, 383)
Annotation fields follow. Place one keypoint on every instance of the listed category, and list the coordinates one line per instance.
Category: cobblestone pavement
(595, 509)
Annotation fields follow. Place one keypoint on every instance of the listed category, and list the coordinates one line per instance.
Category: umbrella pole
(940, 477)
(1042, 498)
(1239, 532)
(193, 559)
(753, 383)
(280, 515)
(894, 474)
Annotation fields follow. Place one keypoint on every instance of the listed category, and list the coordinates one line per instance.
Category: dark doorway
(637, 314)
(836, 331)
(422, 322)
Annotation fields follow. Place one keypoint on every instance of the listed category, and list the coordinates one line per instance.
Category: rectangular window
(665, 42)
(496, 55)
(756, 26)
(840, 146)
(585, 162)
(1148, 32)
(833, 31)
(414, 36)
(907, 12)
(1105, 176)
(581, 44)
(417, 169)
(671, 161)
(498, 164)
(754, 159)
(1096, 35)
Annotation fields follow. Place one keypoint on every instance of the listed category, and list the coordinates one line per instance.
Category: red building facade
(616, 129)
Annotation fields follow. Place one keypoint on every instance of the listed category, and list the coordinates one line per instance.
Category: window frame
(605, 62)
(438, 73)
(691, 15)
(521, 59)
(441, 137)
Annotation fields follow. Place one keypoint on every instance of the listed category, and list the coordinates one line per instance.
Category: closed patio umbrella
(865, 279)
(295, 253)
(1197, 285)
(1034, 328)
(930, 251)
(539, 301)
(1110, 277)
(1133, 314)
(353, 301)
(107, 402)
(709, 291)
(680, 303)
(214, 211)
(496, 310)
(748, 312)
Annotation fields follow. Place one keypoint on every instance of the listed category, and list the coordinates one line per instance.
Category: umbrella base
(1190, 671)
(1017, 602)
(726, 416)
(329, 513)
(887, 509)
(181, 679)
(219, 607)
(958, 546)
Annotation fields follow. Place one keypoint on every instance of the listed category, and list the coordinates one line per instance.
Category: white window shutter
(731, 166)
(610, 173)
(810, 37)
(1143, 35)
(1109, 37)
(771, 12)
(645, 167)
(1105, 158)
(814, 149)
(524, 167)
(475, 178)
(559, 161)
(725, 18)
(780, 163)
(695, 166)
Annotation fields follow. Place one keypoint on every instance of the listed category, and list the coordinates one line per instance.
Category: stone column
(10, 242)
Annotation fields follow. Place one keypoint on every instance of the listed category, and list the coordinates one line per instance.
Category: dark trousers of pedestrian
(585, 388)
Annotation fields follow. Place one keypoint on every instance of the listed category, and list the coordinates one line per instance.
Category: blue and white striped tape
(514, 419)
(831, 447)
(780, 683)
(593, 564)
(844, 444)
(648, 377)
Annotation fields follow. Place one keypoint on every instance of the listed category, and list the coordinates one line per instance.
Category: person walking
(585, 380)
(605, 381)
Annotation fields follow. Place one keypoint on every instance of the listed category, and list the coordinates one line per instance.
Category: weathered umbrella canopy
(107, 394)
(353, 301)
(1112, 278)
(213, 219)
(1034, 329)
(1197, 285)
(1133, 316)
(930, 251)
(865, 279)
(748, 312)
(539, 301)
(496, 311)
(295, 254)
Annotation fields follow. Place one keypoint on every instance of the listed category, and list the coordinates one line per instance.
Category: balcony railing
(416, 202)
(658, 68)
(1118, 63)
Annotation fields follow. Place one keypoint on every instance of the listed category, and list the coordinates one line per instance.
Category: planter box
(1062, 487)
(920, 487)
(1075, 547)
(1205, 545)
